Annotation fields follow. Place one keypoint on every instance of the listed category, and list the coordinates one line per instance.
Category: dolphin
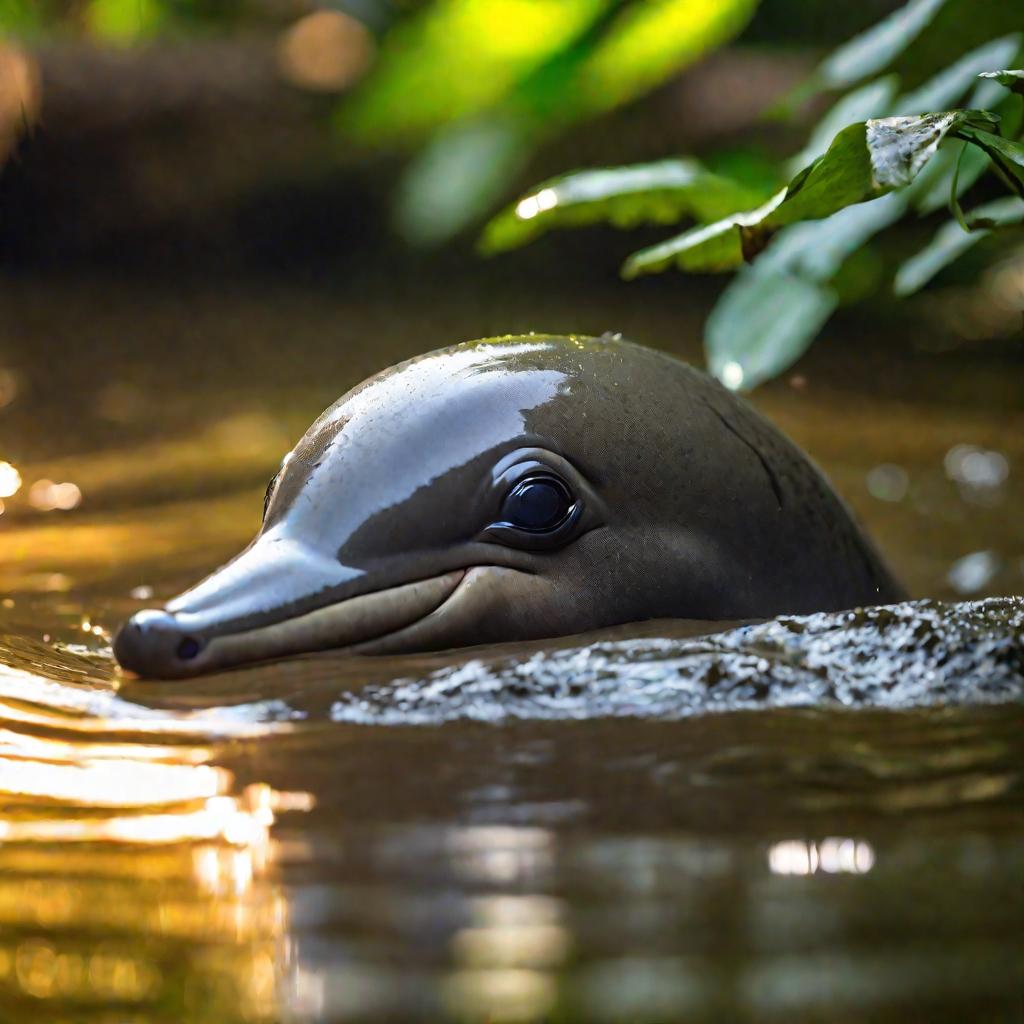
(518, 488)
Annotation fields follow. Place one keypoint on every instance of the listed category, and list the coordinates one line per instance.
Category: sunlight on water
(10, 480)
(833, 856)
(133, 869)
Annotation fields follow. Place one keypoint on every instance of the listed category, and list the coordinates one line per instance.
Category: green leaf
(809, 254)
(931, 190)
(954, 191)
(1007, 156)
(1013, 80)
(650, 40)
(901, 146)
(123, 21)
(843, 175)
(459, 176)
(712, 247)
(877, 98)
(540, 64)
(457, 58)
(949, 86)
(556, 60)
(951, 242)
(790, 277)
(664, 192)
(864, 162)
(774, 309)
(871, 100)
(873, 50)
(762, 324)
(21, 17)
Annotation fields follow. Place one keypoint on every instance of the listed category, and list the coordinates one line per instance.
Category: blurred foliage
(876, 156)
(659, 193)
(924, 111)
(469, 87)
(119, 21)
(115, 19)
(484, 82)
(866, 160)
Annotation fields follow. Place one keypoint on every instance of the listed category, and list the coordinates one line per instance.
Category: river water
(807, 821)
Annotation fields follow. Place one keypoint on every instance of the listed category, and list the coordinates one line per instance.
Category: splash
(917, 654)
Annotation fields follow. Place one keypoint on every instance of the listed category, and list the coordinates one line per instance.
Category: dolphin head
(507, 489)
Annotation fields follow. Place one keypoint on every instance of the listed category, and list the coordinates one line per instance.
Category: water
(807, 820)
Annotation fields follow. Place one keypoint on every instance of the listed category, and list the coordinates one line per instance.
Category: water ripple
(917, 654)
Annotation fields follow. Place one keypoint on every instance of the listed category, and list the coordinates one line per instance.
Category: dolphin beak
(278, 597)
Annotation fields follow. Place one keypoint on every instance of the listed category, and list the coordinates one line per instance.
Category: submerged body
(520, 488)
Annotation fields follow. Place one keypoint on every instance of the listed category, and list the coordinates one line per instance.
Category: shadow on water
(807, 820)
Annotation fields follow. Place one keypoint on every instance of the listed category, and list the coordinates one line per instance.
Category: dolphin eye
(537, 504)
(539, 510)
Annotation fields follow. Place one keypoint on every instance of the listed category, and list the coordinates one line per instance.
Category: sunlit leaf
(651, 39)
(458, 177)
(1013, 80)
(762, 324)
(457, 58)
(842, 175)
(708, 248)
(664, 192)
(877, 99)
(535, 61)
(816, 251)
(784, 294)
(864, 162)
(951, 242)
(123, 21)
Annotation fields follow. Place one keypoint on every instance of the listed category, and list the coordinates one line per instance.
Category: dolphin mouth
(159, 644)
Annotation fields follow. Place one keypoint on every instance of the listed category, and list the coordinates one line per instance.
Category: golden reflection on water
(134, 871)
(10, 480)
(66, 522)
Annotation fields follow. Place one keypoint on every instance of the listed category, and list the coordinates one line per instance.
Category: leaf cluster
(473, 87)
(877, 156)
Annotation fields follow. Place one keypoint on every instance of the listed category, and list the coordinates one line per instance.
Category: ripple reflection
(135, 872)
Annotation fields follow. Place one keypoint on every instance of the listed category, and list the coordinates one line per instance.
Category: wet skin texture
(519, 488)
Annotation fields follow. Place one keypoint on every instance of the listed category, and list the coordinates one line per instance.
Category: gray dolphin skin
(519, 488)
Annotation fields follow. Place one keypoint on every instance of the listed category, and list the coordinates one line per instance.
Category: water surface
(763, 825)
